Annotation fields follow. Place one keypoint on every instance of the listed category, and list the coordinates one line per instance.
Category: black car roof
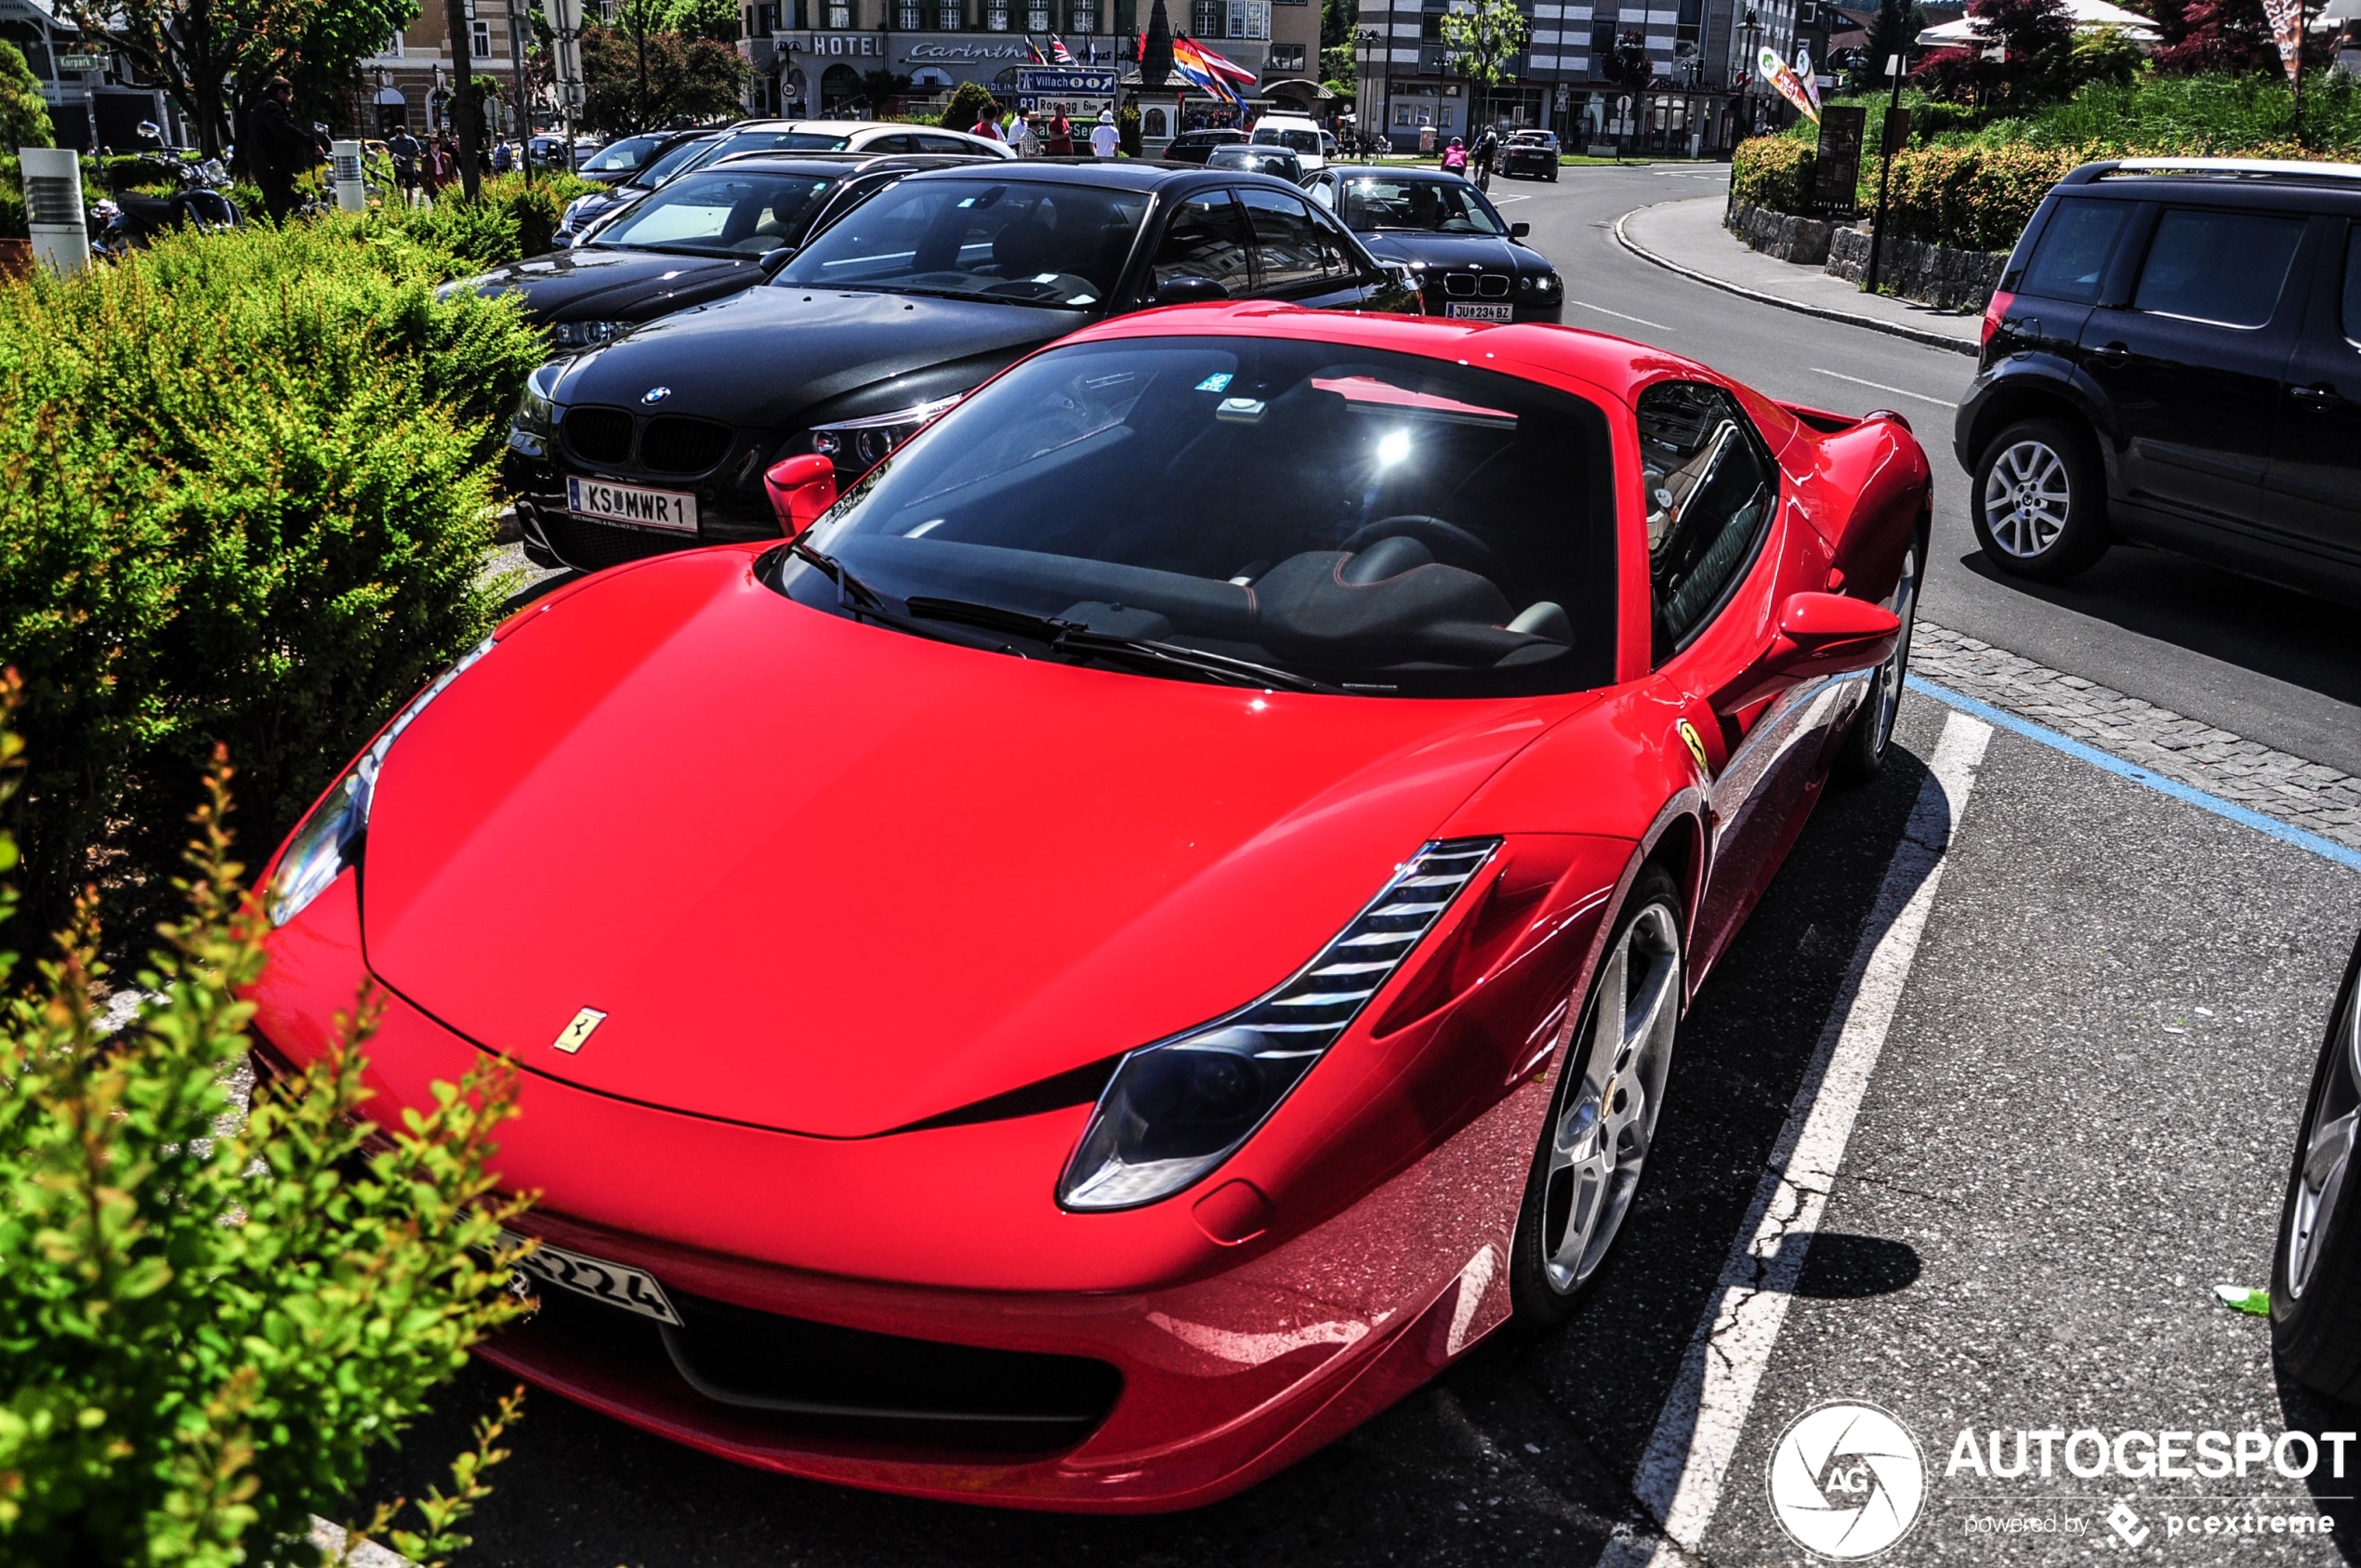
(1431, 176)
(2243, 181)
(1127, 173)
(837, 162)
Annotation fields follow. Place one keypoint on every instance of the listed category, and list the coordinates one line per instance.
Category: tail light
(1993, 314)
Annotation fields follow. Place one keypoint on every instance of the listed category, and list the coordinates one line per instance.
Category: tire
(2039, 500)
(1581, 1178)
(1865, 746)
(2315, 1271)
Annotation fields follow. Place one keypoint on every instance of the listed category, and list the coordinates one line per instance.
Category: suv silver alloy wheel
(1607, 1115)
(2324, 1177)
(2027, 497)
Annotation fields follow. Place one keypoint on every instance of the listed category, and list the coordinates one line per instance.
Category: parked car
(1299, 134)
(585, 211)
(703, 237)
(1530, 153)
(1276, 161)
(2316, 1279)
(660, 440)
(872, 138)
(1150, 931)
(2173, 357)
(618, 161)
(1471, 262)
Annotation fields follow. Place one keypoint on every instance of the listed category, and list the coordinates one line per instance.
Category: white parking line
(1681, 1474)
(1898, 391)
(1621, 317)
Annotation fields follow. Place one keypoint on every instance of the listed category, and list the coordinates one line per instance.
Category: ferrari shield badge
(575, 1036)
(1690, 738)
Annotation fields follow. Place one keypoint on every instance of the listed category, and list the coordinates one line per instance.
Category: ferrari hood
(760, 357)
(824, 876)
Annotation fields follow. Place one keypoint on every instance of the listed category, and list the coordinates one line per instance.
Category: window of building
(1036, 15)
(950, 16)
(1249, 19)
(1086, 17)
(907, 15)
(996, 16)
(839, 13)
(479, 39)
(1208, 17)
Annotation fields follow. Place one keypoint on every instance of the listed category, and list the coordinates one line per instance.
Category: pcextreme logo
(1847, 1481)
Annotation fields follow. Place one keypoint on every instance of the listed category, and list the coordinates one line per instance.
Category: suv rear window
(2215, 266)
(2073, 253)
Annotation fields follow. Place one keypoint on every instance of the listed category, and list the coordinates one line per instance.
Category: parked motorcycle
(130, 220)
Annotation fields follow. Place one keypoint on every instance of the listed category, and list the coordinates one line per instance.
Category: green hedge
(1773, 171)
(250, 503)
(1976, 198)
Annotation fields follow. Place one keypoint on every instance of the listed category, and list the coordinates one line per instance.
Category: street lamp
(1380, 39)
(1752, 27)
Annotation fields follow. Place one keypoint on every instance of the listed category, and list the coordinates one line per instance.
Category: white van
(1298, 133)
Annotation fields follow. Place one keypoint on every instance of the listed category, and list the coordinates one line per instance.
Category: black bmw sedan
(1473, 263)
(660, 439)
(1530, 153)
(704, 236)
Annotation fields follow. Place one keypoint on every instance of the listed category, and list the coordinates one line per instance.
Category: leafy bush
(969, 102)
(24, 113)
(1773, 171)
(250, 503)
(511, 220)
(208, 1321)
(1977, 198)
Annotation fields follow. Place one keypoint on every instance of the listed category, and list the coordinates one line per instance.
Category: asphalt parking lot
(2080, 1097)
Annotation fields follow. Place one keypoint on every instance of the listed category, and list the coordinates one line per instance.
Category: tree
(215, 57)
(1627, 61)
(632, 81)
(1484, 38)
(2104, 54)
(1893, 31)
(24, 116)
(971, 101)
(2229, 37)
(717, 19)
(2036, 37)
(1339, 21)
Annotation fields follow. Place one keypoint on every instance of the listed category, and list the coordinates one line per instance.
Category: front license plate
(1480, 312)
(642, 507)
(617, 1284)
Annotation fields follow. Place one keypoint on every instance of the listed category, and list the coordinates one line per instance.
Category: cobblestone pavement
(2307, 794)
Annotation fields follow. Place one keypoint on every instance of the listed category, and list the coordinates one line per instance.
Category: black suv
(2173, 356)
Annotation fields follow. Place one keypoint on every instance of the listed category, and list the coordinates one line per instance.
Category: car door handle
(2114, 353)
(2319, 398)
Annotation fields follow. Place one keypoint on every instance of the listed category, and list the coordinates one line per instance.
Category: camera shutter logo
(1847, 1481)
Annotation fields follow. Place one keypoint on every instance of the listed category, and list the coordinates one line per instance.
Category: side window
(1335, 251)
(2072, 255)
(943, 144)
(1287, 242)
(1709, 493)
(2225, 266)
(1205, 237)
(2353, 287)
(888, 144)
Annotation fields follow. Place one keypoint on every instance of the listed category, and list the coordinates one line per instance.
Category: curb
(1893, 329)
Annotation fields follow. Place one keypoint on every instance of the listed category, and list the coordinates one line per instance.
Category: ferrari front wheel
(2315, 1286)
(1872, 733)
(1602, 1116)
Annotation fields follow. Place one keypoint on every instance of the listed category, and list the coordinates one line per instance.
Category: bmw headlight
(584, 334)
(332, 837)
(859, 445)
(536, 419)
(1177, 1109)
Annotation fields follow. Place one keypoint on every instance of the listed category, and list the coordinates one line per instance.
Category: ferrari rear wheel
(1602, 1118)
(1872, 733)
(2316, 1287)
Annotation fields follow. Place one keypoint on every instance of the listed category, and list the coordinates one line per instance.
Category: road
(2079, 1034)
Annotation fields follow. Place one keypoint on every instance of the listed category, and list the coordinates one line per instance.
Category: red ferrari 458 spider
(1148, 928)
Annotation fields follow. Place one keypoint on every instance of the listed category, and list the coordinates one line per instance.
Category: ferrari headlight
(1177, 1109)
(861, 443)
(584, 334)
(332, 837)
(536, 419)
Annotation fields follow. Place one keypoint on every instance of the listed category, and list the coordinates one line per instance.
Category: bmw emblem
(656, 394)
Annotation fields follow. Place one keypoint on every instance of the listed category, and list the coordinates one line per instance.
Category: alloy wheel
(2324, 1180)
(1607, 1111)
(2026, 498)
(1888, 695)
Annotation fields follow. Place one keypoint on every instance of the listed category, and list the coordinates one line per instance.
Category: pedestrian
(987, 123)
(430, 169)
(282, 149)
(406, 151)
(1486, 147)
(1103, 134)
(1455, 157)
(1060, 137)
(504, 157)
(1026, 141)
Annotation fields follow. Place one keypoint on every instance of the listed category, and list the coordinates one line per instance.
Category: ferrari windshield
(717, 213)
(1006, 240)
(1435, 207)
(1335, 517)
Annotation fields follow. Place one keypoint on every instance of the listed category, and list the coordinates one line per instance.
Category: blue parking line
(2327, 848)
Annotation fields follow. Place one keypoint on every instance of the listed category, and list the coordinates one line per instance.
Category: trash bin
(1426, 139)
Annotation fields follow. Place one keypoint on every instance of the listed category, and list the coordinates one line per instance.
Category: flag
(1090, 49)
(1035, 50)
(1803, 73)
(2286, 31)
(1059, 53)
(1781, 76)
(1217, 64)
(1207, 71)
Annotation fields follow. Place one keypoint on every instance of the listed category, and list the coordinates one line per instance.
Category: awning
(1301, 87)
(931, 76)
(2088, 16)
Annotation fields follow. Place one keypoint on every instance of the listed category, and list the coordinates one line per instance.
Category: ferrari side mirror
(801, 489)
(1829, 633)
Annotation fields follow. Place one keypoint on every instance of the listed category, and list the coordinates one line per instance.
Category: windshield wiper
(1063, 636)
(851, 592)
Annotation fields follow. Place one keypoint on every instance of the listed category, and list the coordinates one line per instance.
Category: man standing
(1103, 134)
(282, 149)
(987, 123)
(1025, 139)
(406, 154)
(1060, 137)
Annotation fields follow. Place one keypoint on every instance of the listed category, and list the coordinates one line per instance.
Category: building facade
(1663, 78)
(93, 99)
(408, 81)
